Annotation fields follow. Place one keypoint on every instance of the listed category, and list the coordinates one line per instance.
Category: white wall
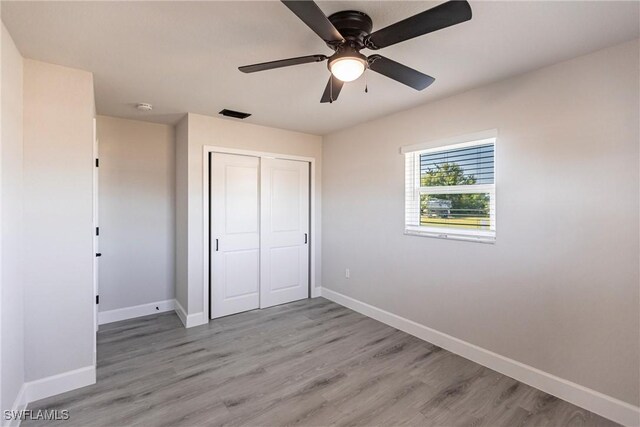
(201, 131)
(11, 281)
(559, 290)
(58, 173)
(136, 212)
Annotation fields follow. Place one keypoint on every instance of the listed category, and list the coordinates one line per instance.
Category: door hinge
(97, 299)
(97, 231)
(97, 163)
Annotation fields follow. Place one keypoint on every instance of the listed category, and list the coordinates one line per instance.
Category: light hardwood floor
(311, 362)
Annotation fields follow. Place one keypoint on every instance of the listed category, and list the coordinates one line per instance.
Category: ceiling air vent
(234, 114)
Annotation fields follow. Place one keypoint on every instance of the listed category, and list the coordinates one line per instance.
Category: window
(450, 190)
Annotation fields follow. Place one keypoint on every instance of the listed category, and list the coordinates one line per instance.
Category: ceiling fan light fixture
(347, 68)
(347, 64)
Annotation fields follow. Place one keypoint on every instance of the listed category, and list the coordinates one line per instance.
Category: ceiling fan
(349, 31)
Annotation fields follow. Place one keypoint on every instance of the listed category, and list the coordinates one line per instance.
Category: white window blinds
(450, 191)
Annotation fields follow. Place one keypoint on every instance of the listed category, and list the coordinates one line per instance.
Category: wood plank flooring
(310, 363)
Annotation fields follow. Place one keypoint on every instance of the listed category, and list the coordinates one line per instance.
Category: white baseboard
(135, 311)
(594, 401)
(196, 319)
(189, 320)
(56, 384)
(20, 404)
(182, 314)
(50, 386)
(316, 291)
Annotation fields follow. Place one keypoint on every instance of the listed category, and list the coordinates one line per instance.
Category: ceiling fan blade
(332, 90)
(310, 14)
(437, 18)
(281, 63)
(398, 72)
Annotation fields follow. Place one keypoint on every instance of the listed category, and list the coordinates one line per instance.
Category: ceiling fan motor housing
(354, 26)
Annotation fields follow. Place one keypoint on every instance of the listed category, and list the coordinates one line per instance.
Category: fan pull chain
(364, 74)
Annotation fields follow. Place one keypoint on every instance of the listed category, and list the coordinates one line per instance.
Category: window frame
(412, 224)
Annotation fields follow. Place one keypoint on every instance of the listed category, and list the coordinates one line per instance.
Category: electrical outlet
(347, 273)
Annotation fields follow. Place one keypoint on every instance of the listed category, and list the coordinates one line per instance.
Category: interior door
(235, 234)
(284, 250)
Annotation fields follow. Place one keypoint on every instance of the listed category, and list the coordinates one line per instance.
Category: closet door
(284, 246)
(235, 234)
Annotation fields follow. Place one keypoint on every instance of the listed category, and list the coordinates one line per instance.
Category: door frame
(313, 247)
(95, 237)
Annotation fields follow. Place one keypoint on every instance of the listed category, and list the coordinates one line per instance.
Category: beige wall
(58, 203)
(11, 280)
(136, 212)
(201, 131)
(559, 290)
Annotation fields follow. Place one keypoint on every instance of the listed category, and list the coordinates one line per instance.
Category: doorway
(259, 222)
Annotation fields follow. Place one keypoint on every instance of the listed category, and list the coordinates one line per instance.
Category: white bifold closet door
(235, 234)
(284, 238)
(259, 232)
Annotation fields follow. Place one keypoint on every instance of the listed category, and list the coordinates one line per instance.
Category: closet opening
(258, 230)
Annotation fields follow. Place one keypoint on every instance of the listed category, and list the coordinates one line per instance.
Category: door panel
(287, 259)
(241, 192)
(240, 269)
(285, 205)
(235, 238)
(284, 195)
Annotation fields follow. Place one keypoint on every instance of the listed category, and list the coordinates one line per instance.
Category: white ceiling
(183, 56)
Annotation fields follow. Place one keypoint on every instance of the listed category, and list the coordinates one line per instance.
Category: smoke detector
(143, 106)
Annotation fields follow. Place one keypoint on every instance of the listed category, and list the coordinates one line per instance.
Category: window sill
(447, 235)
